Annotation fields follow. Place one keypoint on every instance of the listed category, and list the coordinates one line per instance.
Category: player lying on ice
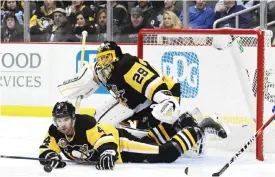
(152, 96)
(80, 137)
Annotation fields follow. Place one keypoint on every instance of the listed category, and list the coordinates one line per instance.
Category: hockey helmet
(107, 53)
(63, 109)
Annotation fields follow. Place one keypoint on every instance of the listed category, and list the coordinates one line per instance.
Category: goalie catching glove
(106, 160)
(167, 110)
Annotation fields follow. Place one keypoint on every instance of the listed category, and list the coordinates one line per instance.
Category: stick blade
(216, 174)
(197, 172)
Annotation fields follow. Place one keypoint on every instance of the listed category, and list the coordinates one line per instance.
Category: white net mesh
(218, 74)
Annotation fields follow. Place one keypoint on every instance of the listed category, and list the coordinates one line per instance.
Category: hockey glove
(185, 120)
(106, 160)
(54, 160)
(166, 111)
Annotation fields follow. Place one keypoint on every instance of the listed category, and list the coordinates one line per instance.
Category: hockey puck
(48, 168)
(186, 170)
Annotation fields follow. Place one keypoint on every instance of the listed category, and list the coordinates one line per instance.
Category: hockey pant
(134, 150)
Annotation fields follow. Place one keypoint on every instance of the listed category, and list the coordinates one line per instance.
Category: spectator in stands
(170, 20)
(169, 5)
(220, 4)
(41, 19)
(120, 15)
(101, 20)
(61, 30)
(149, 13)
(271, 11)
(78, 6)
(156, 17)
(11, 31)
(231, 7)
(270, 18)
(15, 7)
(200, 16)
(82, 24)
(254, 15)
(129, 33)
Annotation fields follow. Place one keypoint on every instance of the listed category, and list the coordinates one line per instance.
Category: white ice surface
(21, 136)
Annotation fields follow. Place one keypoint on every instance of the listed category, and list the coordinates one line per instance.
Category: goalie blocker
(82, 84)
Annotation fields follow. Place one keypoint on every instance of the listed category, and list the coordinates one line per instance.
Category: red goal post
(162, 46)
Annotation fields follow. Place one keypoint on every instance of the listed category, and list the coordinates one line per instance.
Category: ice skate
(211, 126)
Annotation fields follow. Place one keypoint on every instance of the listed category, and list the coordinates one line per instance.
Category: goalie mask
(63, 109)
(108, 54)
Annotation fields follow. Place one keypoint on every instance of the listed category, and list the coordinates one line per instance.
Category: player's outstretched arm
(104, 139)
(50, 150)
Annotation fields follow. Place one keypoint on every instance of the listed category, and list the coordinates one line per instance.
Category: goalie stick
(79, 98)
(235, 157)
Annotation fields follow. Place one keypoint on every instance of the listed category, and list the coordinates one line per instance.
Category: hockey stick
(42, 159)
(251, 140)
(79, 98)
(47, 167)
(235, 47)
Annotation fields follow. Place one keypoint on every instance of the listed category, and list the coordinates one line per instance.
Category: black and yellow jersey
(89, 141)
(42, 18)
(134, 81)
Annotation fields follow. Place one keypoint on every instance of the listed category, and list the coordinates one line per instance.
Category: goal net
(224, 71)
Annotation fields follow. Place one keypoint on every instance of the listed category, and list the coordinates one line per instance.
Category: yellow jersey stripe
(104, 140)
(133, 146)
(184, 149)
(177, 98)
(163, 131)
(158, 134)
(168, 81)
(43, 150)
(190, 136)
(152, 87)
(142, 62)
(185, 139)
(154, 137)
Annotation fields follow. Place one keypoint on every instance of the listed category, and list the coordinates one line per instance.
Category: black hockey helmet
(63, 109)
(109, 46)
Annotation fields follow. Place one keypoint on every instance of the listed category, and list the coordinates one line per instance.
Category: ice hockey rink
(21, 136)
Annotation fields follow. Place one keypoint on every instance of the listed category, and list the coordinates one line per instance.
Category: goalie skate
(211, 126)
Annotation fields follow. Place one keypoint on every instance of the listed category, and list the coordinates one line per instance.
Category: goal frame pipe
(260, 66)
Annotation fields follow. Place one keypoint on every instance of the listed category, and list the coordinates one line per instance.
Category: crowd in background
(64, 21)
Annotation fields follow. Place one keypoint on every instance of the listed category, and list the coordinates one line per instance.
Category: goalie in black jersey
(152, 96)
(81, 138)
